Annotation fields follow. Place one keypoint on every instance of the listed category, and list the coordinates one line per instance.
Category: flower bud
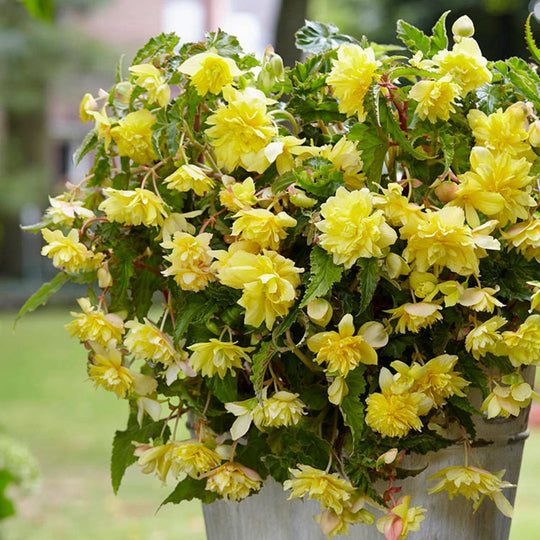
(213, 327)
(396, 266)
(301, 200)
(88, 104)
(534, 134)
(422, 283)
(462, 28)
(320, 311)
(276, 66)
(446, 191)
(337, 391)
(122, 92)
(104, 278)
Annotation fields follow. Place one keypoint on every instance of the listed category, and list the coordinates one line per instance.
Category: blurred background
(51, 53)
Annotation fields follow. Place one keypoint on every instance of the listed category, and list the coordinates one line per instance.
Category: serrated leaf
(448, 142)
(122, 451)
(88, 144)
(42, 295)
(194, 308)
(224, 389)
(316, 38)
(531, 43)
(412, 37)
(161, 44)
(189, 489)
(368, 277)
(439, 39)
(373, 145)
(324, 273)
(352, 407)
(260, 361)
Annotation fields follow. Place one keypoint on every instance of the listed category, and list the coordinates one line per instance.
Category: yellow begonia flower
(95, 325)
(155, 459)
(508, 400)
(64, 211)
(262, 227)
(401, 519)
(87, 107)
(134, 207)
(465, 65)
(353, 513)
(395, 410)
(451, 291)
(67, 253)
(351, 230)
(345, 157)
(235, 196)
(475, 484)
(352, 74)
(190, 259)
(190, 177)
(498, 186)
(436, 99)
(523, 345)
(329, 489)
(106, 370)
(534, 134)
(423, 284)
(149, 77)
(147, 342)
(240, 128)
(103, 125)
(133, 136)
(268, 282)
(396, 266)
(480, 299)
(193, 458)
(502, 132)
(280, 410)
(525, 238)
(217, 357)
(442, 239)
(210, 72)
(413, 317)
(337, 391)
(176, 222)
(397, 208)
(483, 338)
(233, 481)
(343, 351)
(320, 311)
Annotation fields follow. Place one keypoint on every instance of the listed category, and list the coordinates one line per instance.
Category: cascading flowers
(317, 264)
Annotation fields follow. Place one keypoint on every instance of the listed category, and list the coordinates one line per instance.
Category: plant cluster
(314, 265)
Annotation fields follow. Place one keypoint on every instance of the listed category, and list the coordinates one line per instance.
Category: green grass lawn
(46, 403)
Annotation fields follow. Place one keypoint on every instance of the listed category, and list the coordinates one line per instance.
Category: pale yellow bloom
(233, 481)
(268, 282)
(397, 208)
(280, 410)
(190, 177)
(134, 207)
(217, 357)
(149, 77)
(236, 196)
(443, 239)
(480, 299)
(155, 459)
(95, 325)
(465, 65)
(423, 284)
(352, 74)
(502, 131)
(262, 227)
(67, 253)
(436, 99)
(413, 317)
(87, 107)
(403, 518)
(210, 72)
(191, 260)
(523, 345)
(329, 489)
(193, 458)
(240, 128)
(147, 342)
(343, 351)
(320, 311)
(483, 338)
(475, 484)
(103, 125)
(353, 513)
(345, 157)
(351, 230)
(64, 211)
(133, 136)
(508, 400)
(525, 238)
(337, 391)
(498, 186)
(396, 266)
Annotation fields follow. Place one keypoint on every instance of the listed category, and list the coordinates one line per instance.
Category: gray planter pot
(269, 516)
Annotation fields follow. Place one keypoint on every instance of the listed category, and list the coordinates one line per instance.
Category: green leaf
(224, 43)
(122, 451)
(88, 144)
(287, 322)
(260, 361)
(161, 44)
(413, 38)
(522, 76)
(194, 309)
(368, 277)
(316, 38)
(41, 9)
(448, 143)
(324, 273)
(7, 508)
(224, 389)
(42, 295)
(531, 43)
(189, 489)
(439, 40)
(373, 144)
(352, 407)
(424, 442)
